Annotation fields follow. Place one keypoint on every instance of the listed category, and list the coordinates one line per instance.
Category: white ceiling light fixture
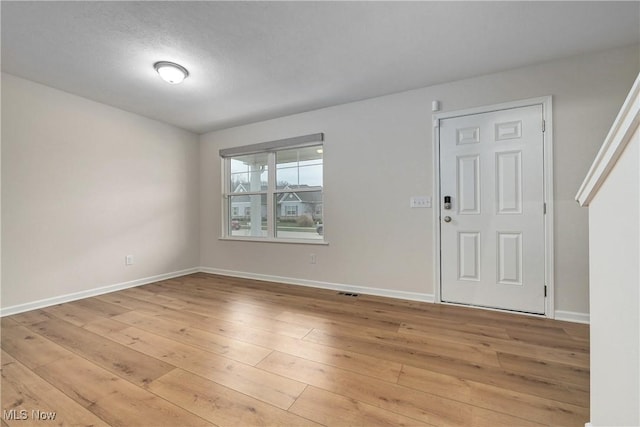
(171, 72)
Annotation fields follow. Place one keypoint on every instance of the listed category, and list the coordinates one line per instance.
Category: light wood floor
(211, 350)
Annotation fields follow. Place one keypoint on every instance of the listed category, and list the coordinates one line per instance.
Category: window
(291, 211)
(278, 186)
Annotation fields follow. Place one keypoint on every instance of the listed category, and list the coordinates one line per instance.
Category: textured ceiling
(251, 61)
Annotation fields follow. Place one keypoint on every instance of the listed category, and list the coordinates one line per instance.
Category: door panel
(509, 258)
(509, 182)
(469, 185)
(469, 259)
(493, 248)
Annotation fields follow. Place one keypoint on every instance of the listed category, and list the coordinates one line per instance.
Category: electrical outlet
(128, 260)
(312, 258)
(420, 202)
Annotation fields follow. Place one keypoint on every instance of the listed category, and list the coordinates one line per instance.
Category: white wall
(84, 185)
(378, 153)
(615, 293)
(611, 189)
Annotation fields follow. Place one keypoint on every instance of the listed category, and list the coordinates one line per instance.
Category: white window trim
(274, 240)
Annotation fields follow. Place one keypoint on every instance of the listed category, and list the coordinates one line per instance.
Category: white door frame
(547, 116)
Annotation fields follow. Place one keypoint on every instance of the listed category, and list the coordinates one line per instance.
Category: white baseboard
(572, 316)
(568, 316)
(47, 302)
(413, 296)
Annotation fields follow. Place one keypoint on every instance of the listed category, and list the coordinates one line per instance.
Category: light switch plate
(420, 202)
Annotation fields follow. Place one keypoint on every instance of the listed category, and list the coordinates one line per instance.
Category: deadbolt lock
(447, 202)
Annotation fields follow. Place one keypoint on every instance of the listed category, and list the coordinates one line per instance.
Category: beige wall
(378, 153)
(84, 185)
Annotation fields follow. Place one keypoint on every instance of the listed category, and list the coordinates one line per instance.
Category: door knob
(447, 219)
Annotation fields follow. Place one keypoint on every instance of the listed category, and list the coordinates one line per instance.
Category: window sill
(272, 240)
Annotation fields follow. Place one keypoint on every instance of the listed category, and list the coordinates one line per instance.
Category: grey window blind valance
(278, 144)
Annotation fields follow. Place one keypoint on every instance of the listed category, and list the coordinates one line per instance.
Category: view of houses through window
(276, 194)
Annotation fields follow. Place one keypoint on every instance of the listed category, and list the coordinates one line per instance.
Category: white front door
(492, 235)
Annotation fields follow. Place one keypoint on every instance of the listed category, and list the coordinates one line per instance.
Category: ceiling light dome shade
(171, 72)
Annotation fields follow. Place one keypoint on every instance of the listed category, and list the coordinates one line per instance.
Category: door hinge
(545, 291)
(544, 209)
(544, 125)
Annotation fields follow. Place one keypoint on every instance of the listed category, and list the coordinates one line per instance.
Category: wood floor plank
(481, 417)
(257, 290)
(143, 294)
(101, 308)
(221, 405)
(567, 374)
(132, 365)
(453, 366)
(500, 345)
(132, 303)
(104, 326)
(112, 398)
(424, 407)
(201, 298)
(148, 308)
(364, 364)
(467, 315)
(529, 407)
(449, 386)
(31, 317)
(498, 399)
(215, 343)
(248, 314)
(561, 342)
(250, 319)
(273, 389)
(23, 390)
(73, 314)
(436, 327)
(338, 307)
(332, 409)
(577, 331)
(312, 321)
(439, 346)
(29, 348)
(401, 351)
(348, 360)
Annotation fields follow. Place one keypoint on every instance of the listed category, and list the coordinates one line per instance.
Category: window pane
(295, 213)
(299, 167)
(248, 215)
(299, 215)
(248, 173)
